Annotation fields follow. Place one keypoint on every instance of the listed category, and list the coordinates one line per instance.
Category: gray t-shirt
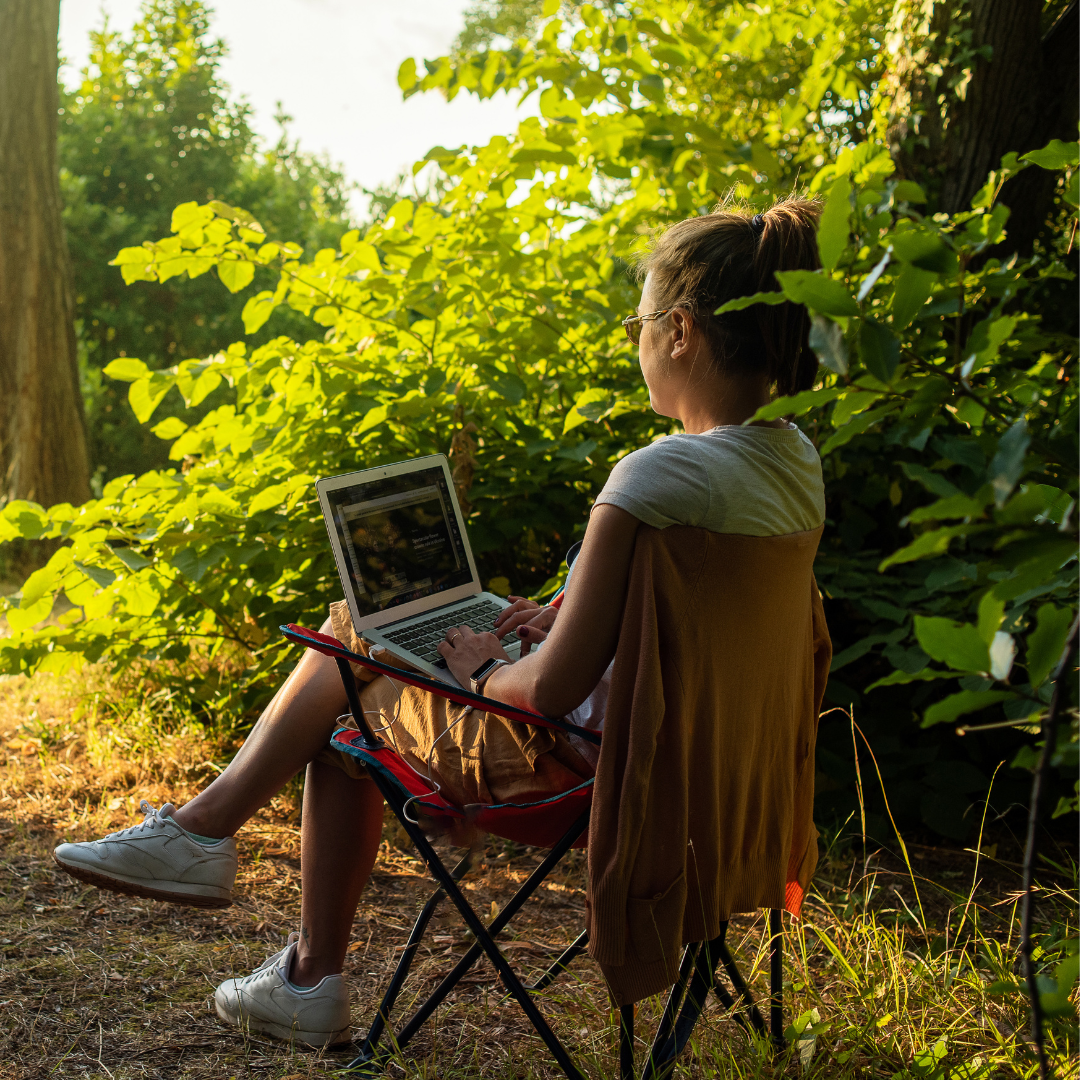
(755, 481)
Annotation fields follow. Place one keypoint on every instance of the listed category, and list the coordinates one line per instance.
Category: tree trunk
(43, 454)
(972, 81)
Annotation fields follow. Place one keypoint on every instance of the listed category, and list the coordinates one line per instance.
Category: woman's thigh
(467, 755)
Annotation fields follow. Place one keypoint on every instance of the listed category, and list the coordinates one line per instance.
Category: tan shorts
(474, 757)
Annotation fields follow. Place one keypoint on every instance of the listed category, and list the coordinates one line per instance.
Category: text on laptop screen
(401, 539)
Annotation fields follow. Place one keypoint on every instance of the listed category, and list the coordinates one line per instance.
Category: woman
(711, 374)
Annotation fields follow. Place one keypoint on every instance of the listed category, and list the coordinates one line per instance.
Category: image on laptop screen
(401, 539)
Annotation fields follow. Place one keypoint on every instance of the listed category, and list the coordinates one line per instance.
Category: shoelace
(271, 961)
(151, 821)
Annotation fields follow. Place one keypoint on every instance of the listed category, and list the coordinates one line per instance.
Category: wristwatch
(483, 673)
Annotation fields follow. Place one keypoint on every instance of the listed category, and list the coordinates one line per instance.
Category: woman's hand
(527, 619)
(464, 651)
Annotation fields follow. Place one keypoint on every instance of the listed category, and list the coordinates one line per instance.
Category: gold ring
(453, 639)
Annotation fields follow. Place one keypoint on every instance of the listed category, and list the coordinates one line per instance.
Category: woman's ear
(682, 332)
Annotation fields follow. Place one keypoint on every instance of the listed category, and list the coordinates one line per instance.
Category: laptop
(404, 559)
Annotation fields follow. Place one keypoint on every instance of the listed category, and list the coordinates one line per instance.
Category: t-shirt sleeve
(664, 483)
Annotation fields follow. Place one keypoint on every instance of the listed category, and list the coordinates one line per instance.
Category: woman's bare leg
(340, 833)
(292, 730)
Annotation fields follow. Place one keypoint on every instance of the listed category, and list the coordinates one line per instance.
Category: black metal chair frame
(698, 970)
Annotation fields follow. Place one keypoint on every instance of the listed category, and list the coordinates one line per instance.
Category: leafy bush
(149, 125)
(485, 325)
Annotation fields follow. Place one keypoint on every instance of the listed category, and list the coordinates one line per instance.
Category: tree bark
(948, 129)
(43, 455)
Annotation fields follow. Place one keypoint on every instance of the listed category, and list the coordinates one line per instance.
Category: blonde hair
(703, 262)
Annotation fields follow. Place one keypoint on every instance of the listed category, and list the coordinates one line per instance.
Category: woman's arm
(562, 674)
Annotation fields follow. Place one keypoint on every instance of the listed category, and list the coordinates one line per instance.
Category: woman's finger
(518, 604)
(530, 636)
(514, 620)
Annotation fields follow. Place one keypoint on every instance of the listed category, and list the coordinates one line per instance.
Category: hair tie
(757, 223)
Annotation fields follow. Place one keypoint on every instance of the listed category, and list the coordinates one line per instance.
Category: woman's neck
(721, 402)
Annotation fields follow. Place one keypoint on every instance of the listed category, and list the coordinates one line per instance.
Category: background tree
(42, 431)
(151, 125)
(971, 82)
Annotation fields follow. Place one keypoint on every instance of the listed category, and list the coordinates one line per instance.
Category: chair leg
(742, 992)
(483, 934)
(626, 1043)
(401, 973)
(776, 979)
(565, 959)
(662, 1051)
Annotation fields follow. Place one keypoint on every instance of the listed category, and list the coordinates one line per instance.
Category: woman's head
(703, 262)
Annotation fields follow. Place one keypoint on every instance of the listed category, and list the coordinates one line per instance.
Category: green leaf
(127, 369)
(406, 76)
(1054, 155)
(170, 428)
(194, 564)
(861, 423)
(796, 404)
(931, 543)
(741, 302)
(146, 394)
(817, 292)
(985, 342)
(97, 574)
(45, 580)
(372, 418)
(827, 341)
(991, 612)
(879, 349)
(1046, 642)
(957, 644)
(1007, 466)
(912, 290)
(1056, 997)
(833, 231)
(924, 250)
(131, 558)
(932, 481)
(236, 274)
(257, 310)
(268, 498)
(900, 678)
(190, 214)
(955, 506)
(956, 705)
(579, 452)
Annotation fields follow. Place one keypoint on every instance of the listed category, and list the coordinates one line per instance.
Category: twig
(1049, 732)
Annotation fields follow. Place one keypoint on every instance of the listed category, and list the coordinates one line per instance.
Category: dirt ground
(98, 985)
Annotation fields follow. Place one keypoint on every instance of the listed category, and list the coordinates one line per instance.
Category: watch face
(482, 668)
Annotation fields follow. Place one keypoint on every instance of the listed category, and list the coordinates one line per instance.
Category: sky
(333, 66)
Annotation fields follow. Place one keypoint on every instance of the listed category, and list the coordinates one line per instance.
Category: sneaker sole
(280, 1031)
(138, 888)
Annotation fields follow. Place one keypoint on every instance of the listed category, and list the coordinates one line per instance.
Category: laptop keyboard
(421, 638)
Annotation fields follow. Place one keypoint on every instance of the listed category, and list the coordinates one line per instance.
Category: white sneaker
(156, 859)
(265, 1001)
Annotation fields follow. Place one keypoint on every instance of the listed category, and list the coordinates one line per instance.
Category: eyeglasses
(632, 324)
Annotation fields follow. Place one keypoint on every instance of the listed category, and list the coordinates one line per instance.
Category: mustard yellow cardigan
(705, 785)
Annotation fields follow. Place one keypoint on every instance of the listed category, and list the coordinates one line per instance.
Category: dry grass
(100, 986)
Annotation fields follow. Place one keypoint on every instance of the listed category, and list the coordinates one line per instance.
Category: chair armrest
(330, 646)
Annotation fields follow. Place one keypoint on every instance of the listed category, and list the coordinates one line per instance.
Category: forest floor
(886, 974)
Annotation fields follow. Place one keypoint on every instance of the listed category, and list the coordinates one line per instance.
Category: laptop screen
(400, 538)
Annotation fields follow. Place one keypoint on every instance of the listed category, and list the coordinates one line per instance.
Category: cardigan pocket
(654, 923)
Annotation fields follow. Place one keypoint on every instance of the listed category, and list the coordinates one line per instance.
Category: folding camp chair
(559, 824)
